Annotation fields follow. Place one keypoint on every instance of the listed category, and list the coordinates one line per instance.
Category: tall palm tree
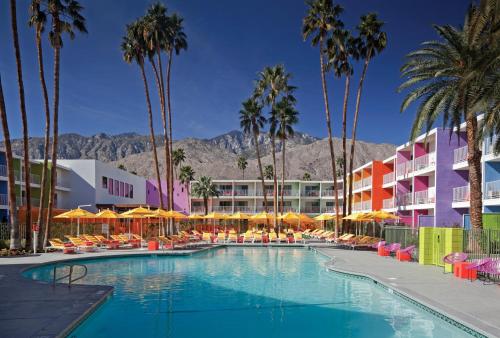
(268, 172)
(342, 48)
(175, 41)
(155, 28)
(252, 121)
(38, 20)
(178, 156)
(11, 180)
(450, 77)
(205, 189)
(321, 19)
(271, 85)
(242, 164)
(186, 175)
(65, 18)
(372, 42)
(134, 50)
(283, 119)
(24, 118)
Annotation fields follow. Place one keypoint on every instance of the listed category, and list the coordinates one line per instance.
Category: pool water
(245, 292)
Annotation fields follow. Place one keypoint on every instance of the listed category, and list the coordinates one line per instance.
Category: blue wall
(492, 208)
(491, 171)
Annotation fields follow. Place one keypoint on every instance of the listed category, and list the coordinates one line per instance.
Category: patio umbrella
(139, 212)
(195, 217)
(76, 213)
(215, 215)
(108, 214)
(382, 214)
(262, 216)
(323, 218)
(239, 216)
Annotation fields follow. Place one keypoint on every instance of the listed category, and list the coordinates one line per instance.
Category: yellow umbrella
(262, 216)
(382, 214)
(139, 212)
(108, 214)
(216, 215)
(76, 213)
(195, 216)
(325, 217)
(239, 216)
(305, 219)
(289, 216)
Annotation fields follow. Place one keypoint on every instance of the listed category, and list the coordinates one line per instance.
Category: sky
(229, 43)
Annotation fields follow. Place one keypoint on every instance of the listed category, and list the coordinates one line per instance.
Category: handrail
(69, 275)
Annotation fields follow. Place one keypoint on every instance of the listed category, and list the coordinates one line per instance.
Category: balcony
(4, 199)
(330, 209)
(367, 181)
(35, 179)
(388, 203)
(269, 192)
(424, 161)
(197, 209)
(35, 202)
(331, 193)
(357, 185)
(223, 209)
(403, 169)
(262, 208)
(492, 190)
(357, 206)
(366, 205)
(489, 144)
(461, 194)
(388, 178)
(460, 155)
(226, 192)
(242, 192)
(3, 170)
(243, 208)
(311, 209)
(310, 193)
(288, 208)
(404, 199)
(288, 192)
(425, 196)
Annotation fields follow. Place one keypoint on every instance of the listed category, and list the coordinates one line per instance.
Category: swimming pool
(245, 292)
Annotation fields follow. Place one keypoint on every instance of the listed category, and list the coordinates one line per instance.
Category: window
(117, 188)
(131, 191)
(104, 182)
(127, 190)
(110, 186)
(122, 189)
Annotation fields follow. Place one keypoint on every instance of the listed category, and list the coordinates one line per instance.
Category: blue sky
(229, 42)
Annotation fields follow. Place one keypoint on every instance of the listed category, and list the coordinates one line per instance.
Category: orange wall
(379, 169)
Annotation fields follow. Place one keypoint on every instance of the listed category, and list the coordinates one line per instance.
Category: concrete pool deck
(471, 303)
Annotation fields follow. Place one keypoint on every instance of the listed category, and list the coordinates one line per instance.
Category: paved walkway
(472, 303)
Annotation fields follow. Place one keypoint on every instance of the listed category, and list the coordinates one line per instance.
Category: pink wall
(420, 149)
(421, 183)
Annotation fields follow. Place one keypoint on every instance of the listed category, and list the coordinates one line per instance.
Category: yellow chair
(247, 237)
(221, 237)
(257, 237)
(273, 237)
(297, 236)
(282, 237)
(233, 237)
(206, 236)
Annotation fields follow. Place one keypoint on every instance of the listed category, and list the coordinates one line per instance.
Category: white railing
(404, 199)
(3, 170)
(366, 205)
(288, 208)
(269, 192)
(388, 178)
(460, 154)
(311, 193)
(311, 209)
(4, 199)
(357, 185)
(493, 189)
(461, 194)
(262, 208)
(330, 209)
(388, 203)
(35, 179)
(220, 208)
(197, 210)
(367, 181)
(404, 168)
(328, 192)
(289, 192)
(225, 192)
(357, 206)
(243, 208)
(489, 144)
(424, 196)
(242, 192)
(424, 161)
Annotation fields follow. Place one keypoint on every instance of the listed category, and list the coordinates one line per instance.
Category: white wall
(82, 184)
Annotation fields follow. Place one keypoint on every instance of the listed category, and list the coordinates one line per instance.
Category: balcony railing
(460, 154)
(288, 192)
(330, 210)
(424, 196)
(269, 192)
(367, 181)
(311, 209)
(197, 209)
(242, 192)
(388, 203)
(357, 185)
(357, 206)
(489, 144)
(243, 208)
(288, 208)
(461, 194)
(366, 205)
(404, 168)
(35, 179)
(220, 208)
(493, 189)
(424, 161)
(225, 192)
(262, 208)
(4, 199)
(404, 199)
(388, 178)
(3, 170)
(311, 193)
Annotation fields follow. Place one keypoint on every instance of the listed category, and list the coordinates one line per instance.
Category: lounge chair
(273, 237)
(297, 237)
(55, 244)
(247, 237)
(257, 237)
(282, 237)
(81, 244)
(207, 236)
(232, 237)
(166, 243)
(221, 237)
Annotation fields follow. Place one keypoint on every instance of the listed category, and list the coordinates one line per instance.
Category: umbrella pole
(78, 227)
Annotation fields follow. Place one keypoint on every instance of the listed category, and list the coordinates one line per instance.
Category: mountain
(215, 157)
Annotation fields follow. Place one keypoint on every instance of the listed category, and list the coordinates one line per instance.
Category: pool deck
(471, 303)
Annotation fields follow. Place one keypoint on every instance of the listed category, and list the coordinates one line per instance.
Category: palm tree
(450, 77)
(306, 177)
(175, 41)
(186, 175)
(271, 85)
(282, 120)
(342, 47)
(372, 42)
(322, 18)
(268, 172)
(242, 164)
(155, 27)
(66, 18)
(134, 49)
(38, 20)
(252, 121)
(178, 156)
(205, 189)
(24, 118)
(11, 180)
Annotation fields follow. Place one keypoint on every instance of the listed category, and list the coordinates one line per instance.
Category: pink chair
(454, 257)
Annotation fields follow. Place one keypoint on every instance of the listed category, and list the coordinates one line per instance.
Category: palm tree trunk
(11, 180)
(152, 131)
(344, 145)
(275, 182)
(259, 162)
(474, 161)
(163, 116)
(205, 205)
(169, 110)
(24, 118)
(55, 136)
(43, 187)
(330, 140)
(283, 149)
(354, 127)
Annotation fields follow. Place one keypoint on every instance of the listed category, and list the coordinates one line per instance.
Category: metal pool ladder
(71, 280)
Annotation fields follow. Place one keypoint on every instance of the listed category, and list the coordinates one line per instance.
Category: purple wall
(447, 179)
(181, 200)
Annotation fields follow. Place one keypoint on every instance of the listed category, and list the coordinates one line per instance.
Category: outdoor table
(460, 270)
